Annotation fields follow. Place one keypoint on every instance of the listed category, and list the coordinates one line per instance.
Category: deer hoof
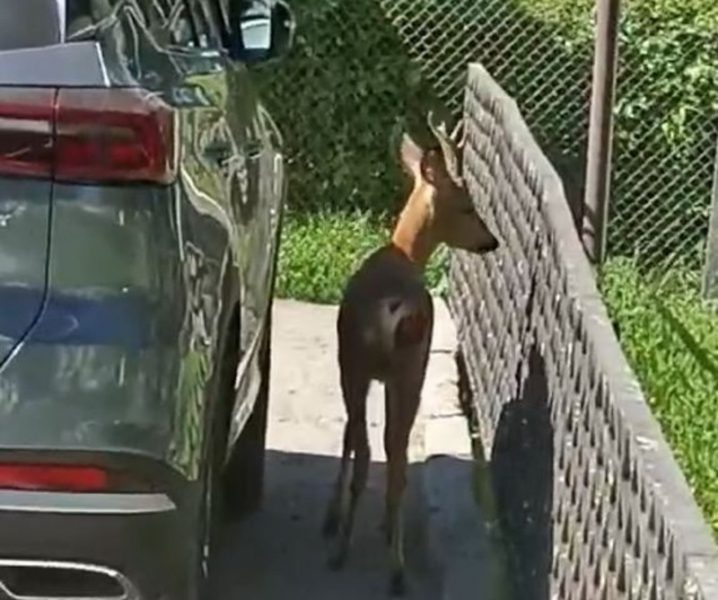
(385, 530)
(331, 526)
(397, 585)
(337, 561)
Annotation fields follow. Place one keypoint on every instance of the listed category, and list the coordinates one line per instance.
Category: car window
(209, 20)
(198, 24)
(29, 23)
(220, 9)
(171, 22)
(185, 23)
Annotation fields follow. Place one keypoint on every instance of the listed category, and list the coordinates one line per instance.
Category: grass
(670, 337)
(319, 252)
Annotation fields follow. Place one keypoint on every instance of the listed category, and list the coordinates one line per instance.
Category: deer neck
(414, 234)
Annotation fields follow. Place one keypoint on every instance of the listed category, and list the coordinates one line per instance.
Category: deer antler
(448, 146)
(458, 136)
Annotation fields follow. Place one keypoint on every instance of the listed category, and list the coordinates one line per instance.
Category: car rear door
(249, 195)
(25, 142)
(251, 185)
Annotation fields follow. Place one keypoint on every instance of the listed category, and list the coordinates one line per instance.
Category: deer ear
(411, 154)
(432, 165)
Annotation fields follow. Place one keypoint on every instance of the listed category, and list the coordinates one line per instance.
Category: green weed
(319, 252)
(670, 337)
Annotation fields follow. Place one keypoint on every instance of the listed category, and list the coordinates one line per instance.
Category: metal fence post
(600, 134)
(710, 276)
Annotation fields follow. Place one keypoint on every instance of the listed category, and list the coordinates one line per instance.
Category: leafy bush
(319, 252)
(670, 72)
(666, 128)
(671, 341)
(358, 75)
(340, 98)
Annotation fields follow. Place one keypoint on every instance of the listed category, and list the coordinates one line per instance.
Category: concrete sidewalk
(279, 553)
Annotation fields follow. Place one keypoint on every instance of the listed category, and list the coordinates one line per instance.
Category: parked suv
(141, 188)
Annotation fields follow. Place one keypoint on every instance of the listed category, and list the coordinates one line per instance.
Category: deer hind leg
(343, 504)
(403, 393)
(332, 519)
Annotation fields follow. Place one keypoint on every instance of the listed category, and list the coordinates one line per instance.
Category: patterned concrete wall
(592, 503)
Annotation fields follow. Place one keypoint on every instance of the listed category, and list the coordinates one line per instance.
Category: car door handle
(8, 210)
(218, 151)
(253, 149)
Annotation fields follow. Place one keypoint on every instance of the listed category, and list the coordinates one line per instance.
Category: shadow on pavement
(279, 552)
(522, 474)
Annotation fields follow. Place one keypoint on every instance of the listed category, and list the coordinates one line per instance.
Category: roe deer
(385, 327)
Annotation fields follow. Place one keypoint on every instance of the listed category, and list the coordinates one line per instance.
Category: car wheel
(244, 474)
(212, 502)
(210, 518)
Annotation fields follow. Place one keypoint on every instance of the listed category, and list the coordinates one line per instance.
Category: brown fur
(384, 327)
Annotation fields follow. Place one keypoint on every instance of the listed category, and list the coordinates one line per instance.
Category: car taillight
(64, 478)
(87, 135)
(26, 131)
(113, 135)
(49, 477)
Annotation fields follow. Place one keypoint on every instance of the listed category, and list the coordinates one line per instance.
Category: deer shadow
(521, 476)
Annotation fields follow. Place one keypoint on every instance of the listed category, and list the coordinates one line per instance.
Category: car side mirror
(264, 30)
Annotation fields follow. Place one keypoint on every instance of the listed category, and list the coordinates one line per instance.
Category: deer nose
(489, 246)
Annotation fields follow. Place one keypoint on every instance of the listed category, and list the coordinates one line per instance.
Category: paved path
(279, 553)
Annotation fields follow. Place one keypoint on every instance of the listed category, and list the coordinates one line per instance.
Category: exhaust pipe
(59, 580)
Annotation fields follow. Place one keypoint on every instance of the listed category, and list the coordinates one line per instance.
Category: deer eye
(468, 210)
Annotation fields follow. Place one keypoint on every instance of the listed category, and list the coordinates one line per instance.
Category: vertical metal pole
(710, 276)
(600, 133)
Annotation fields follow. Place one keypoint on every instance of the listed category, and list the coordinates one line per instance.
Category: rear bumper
(120, 546)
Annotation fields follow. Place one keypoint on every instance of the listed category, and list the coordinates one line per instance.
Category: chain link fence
(363, 69)
(666, 132)
(542, 59)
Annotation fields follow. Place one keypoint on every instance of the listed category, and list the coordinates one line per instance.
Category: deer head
(437, 174)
